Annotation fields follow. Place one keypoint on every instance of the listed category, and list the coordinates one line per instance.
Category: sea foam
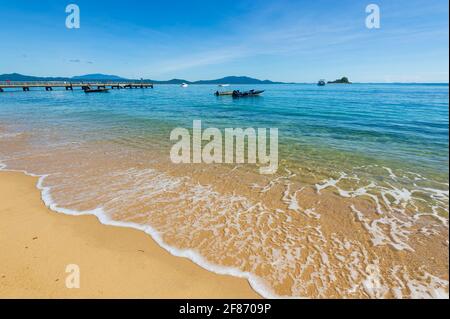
(255, 282)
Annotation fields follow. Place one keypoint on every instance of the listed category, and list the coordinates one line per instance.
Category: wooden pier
(49, 86)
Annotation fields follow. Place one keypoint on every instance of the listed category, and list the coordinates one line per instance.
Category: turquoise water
(400, 125)
(360, 199)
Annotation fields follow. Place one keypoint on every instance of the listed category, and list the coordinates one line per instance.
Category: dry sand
(37, 244)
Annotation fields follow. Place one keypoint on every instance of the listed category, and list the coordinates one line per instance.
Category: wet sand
(38, 244)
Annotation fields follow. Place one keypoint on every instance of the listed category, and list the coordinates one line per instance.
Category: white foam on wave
(400, 207)
(291, 200)
(378, 235)
(329, 183)
(255, 282)
(362, 191)
(437, 193)
(9, 135)
(274, 182)
(372, 282)
(419, 290)
(391, 173)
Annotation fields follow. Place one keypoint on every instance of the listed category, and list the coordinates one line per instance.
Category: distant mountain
(99, 77)
(106, 77)
(23, 78)
(236, 80)
(173, 81)
(87, 77)
(225, 80)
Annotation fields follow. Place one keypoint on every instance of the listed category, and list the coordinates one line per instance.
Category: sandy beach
(37, 245)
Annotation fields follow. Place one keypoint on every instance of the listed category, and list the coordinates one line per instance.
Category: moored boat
(217, 93)
(238, 93)
(99, 90)
(184, 85)
(321, 83)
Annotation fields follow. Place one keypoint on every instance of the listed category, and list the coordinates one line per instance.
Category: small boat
(224, 85)
(321, 83)
(99, 90)
(184, 85)
(238, 93)
(223, 93)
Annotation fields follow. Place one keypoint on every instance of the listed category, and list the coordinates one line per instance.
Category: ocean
(357, 209)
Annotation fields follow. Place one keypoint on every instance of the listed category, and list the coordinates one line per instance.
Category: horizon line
(193, 82)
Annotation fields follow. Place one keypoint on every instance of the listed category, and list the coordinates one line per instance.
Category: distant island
(98, 77)
(343, 80)
(115, 78)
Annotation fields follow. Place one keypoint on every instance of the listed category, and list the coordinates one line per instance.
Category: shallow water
(358, 207)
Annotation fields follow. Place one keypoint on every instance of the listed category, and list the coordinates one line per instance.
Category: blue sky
(299, 41)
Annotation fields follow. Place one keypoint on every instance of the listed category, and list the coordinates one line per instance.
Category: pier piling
(49, 86)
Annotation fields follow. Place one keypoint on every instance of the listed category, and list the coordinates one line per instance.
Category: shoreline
(115, 262)
(335, 221)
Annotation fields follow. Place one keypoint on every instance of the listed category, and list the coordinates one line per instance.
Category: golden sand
(37, 245)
